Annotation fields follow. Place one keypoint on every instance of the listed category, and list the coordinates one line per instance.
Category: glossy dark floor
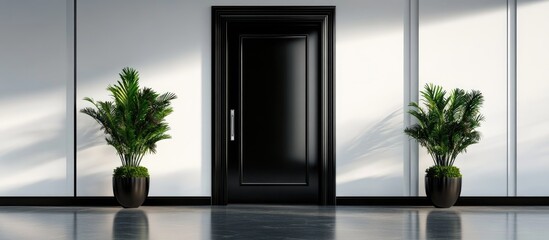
(274, 222)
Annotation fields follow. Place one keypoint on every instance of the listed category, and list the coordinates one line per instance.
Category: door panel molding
(247, 80)
(221, 16)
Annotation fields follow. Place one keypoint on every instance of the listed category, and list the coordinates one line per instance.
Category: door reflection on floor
(272, 222)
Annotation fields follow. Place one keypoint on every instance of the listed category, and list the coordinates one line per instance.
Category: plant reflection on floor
(130, 224)
(443, 225)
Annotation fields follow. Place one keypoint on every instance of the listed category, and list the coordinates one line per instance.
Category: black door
(272, 104)
(273, 99)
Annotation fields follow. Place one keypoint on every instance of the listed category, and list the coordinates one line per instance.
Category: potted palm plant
(445, 127)
(133, 122)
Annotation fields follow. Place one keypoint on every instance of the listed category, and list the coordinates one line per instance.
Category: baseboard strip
(462, 201)
(100, 201)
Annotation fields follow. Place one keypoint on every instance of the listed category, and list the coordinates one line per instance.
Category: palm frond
(446, 125)
(134, 121)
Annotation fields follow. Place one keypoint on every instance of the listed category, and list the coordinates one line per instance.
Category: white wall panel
(35, 78)
(532, 98)
(168, 42)
(369, 97)
(463, 44)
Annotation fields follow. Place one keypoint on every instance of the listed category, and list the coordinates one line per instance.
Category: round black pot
(130, 192)
(442, 192)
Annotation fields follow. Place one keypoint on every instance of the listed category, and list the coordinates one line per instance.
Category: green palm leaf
(134, 121)
(446, 125)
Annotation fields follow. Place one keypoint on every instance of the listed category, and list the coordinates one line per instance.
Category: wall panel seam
(406, 98)
(74, 103)
(414, 91)
(511, 98)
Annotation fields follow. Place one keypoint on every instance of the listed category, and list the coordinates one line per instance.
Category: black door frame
(221, 15)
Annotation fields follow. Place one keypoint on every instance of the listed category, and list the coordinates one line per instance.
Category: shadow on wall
(36, 166)
(33, 152)
(374, 154)
(381, 136)
(89, 134)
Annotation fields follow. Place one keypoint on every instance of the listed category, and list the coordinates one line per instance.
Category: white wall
(532, 94)
(369, 97)
(462, 44)
(36, 98)
(152, 37)
(174, 56)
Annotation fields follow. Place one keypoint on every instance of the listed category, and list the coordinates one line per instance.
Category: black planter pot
(442, 192)
(130, 192)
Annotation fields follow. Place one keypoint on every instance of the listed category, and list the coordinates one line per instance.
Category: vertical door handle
(232, 125)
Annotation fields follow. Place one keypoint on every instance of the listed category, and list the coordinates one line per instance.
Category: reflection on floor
(274, 222)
